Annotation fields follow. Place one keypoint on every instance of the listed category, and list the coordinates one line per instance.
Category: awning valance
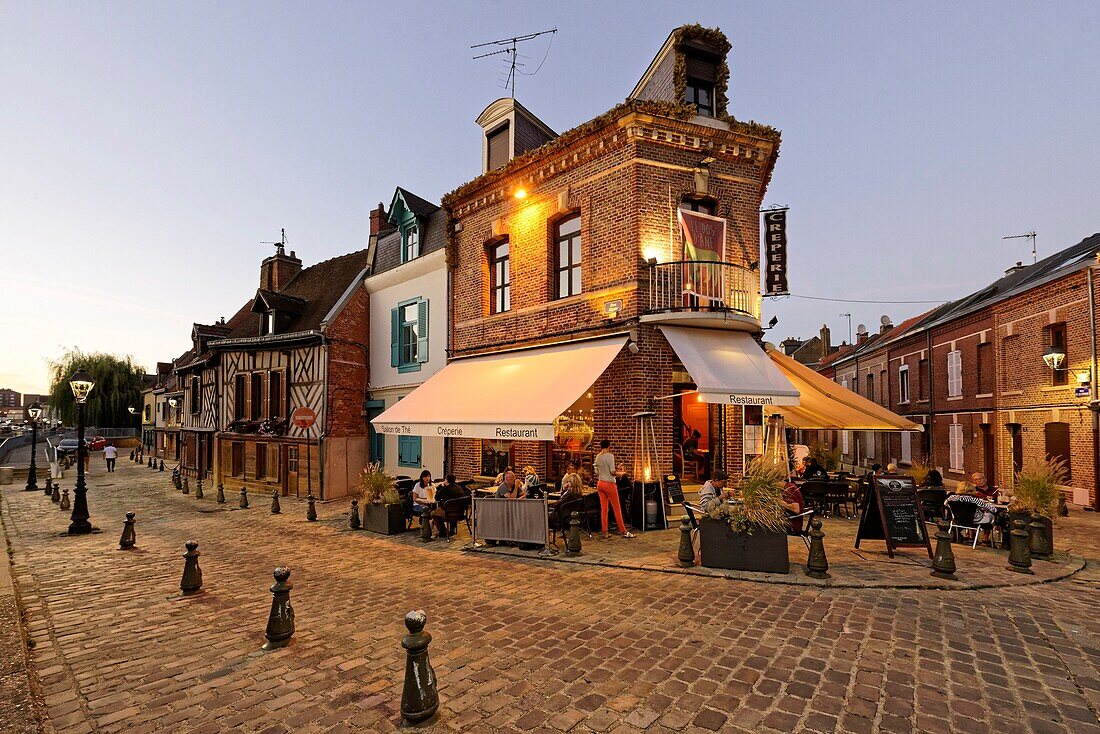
(827, 405)
(729, 367)
(508, 396)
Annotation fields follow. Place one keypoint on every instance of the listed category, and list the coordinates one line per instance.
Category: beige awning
(826, 405)
(729, 367)
(508, 396)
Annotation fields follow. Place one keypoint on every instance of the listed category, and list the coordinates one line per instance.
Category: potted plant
(919, 470)
(382, 511)
(1037, 498)
(828, 458)
(750, 532)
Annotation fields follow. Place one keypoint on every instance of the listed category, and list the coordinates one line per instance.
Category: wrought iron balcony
(701, 287)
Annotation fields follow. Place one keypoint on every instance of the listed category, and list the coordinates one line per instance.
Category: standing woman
(608, 489)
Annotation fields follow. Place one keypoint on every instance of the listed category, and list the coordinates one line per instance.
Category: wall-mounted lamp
(1054, 356)
(520, 193)
(173, 402)
(632, 346)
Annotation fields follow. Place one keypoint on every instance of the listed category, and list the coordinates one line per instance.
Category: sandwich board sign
(893, 514)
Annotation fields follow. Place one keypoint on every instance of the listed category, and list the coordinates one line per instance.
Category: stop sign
(303, 417)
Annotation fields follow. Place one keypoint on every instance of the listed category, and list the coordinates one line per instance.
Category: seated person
(985, 513)
(449, 491)
(814, 471)
(532, 489)
(423, 494)
(714, 490)
(794, 504)
(571, 487)
(982, 488)
(509, 488)
(934, 479)
(691, 449)
(891, 468)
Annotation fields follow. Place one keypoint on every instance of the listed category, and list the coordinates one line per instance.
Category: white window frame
(845, 436)
(906, 447)
(954, 374)
(903, 384)
(955, 446)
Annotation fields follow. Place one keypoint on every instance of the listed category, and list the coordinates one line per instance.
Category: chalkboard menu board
(675, 489)
(894, 514)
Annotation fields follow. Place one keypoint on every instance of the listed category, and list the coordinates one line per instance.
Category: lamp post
(35, 411)
(81, 383)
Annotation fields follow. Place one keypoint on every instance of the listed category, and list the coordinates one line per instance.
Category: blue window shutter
(408, 451)
(422, 331)
(395, 337)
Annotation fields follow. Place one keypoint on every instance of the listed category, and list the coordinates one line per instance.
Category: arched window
(567, 243)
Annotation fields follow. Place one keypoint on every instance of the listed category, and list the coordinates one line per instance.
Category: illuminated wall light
(520, 193)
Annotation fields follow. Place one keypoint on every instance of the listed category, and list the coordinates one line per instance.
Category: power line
(850, 300)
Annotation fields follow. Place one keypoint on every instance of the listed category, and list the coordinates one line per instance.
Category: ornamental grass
(377, 486)
(758, 500)
(1037, 486)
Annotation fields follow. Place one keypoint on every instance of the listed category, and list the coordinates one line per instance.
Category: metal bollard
(419, 698)
(280, 621)
(573, 538)
(275, 509)
(425, 527)
(191, 582)
(55, 495)
(186, 486)
(198, 488)
(244, 498)
(1019, 555)
(943, 562)
(685, 554)
(48, 490)
(129, 536)
(221, 494)
(65, 500)
(162, 464)
(131, 455)
(817, 565)
(353, 519)
(311, 510)
(1038, 542)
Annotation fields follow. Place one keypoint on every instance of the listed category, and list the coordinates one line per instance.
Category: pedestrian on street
(110, 453)
(608, 489)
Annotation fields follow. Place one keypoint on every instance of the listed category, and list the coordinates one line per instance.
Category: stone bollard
(275, 509)
(817, 565)
(162, 465)
(685, 554)
(425, 527)
(573, 538)
(943, 562)
(420, 698)
(186, 486)
(48, 491)
(353, 519)
(311, 510)
(280, 622)
(244, 498)
(1038, 542)
(65, 500)
(1019, 555)
(191, 582)
(198, 488)
(221, 494)
(55, 495)
(129, 536)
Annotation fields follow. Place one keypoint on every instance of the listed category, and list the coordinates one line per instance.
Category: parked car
(96, 443)
(68, 447)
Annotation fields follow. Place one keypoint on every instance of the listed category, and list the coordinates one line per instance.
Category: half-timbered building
(197, 374)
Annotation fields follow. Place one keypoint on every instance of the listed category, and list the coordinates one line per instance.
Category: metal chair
(807, 516)
(931, 501)
(963, 518)
(456, 510)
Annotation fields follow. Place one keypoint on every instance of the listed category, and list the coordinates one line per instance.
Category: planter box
(764, 551)
(384, 519)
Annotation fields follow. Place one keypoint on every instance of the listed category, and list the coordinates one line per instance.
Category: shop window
(986, 374)
(256, 409)
(568, 256)
(195, 395)
(261, 460)
(1056, 337)
(408, 451)
(240, 396)
(701, 74)
(496, 456)
(1057, 444)
(409, 335)
(500, 270)
(903, 384)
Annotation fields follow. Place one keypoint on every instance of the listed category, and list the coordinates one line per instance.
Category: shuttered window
(955, 446)
(409, 335)
(1057, 444)
(498, 147)
(275, 395)
(256, 407)
(954, 374)
(240, 395)
(196, 395)
(408, 451)
(906, 447)
(699, 89)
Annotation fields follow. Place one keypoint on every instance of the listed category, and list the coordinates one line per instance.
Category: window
(240, 392)
(501, 272)
(703, 206)
(568, 265)
(869, 444)
(275, 395)
(267, 323)
(409, 335)
(256, 409)
(261, 460)
(906, 447)
(955, 446)
(922, 379)
(845, 438)
(903, 389)
(196, 395)
(410, 244)
(954, 374)
(408, 451)
(701, 73)
(498, 147)
(496, 456)
(1010, 350)
(1056, 337)
(986, 374)
(870, 387)
(237, 459)
(145, 413)
(1057, 444)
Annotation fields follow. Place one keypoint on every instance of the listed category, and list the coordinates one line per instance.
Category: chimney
(825, 337)
(1015, 268)
(790, 345)
(861, 334)
(279, 269)
(885, 324)
(377, 219)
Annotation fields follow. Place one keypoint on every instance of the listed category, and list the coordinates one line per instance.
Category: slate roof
(282, 302)
(387, 254)
(419, 207)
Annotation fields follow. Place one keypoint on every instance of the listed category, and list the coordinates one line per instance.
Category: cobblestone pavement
(519, 644)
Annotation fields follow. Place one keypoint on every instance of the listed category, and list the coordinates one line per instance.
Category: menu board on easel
(893, 514)
(675, 489)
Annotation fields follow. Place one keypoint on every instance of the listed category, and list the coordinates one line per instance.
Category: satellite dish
(861, 329)
(885, 320)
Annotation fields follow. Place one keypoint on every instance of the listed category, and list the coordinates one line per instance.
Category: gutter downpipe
(1093, 404)
(931, 398)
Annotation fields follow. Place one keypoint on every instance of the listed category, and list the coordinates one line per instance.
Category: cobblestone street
(519, 644)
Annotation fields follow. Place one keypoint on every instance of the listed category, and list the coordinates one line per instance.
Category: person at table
(794, 505)
(982, 488)
(985, 512)
(606, 485)
(934, 479)
(509, 488)
(450, 490)
(571, 487)
(813, 471)
(422, 495)
(714, 490)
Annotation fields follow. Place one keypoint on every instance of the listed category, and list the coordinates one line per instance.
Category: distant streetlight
(81, 383)
(35, 412)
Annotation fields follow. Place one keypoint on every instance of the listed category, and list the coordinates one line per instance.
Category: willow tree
(118, 383)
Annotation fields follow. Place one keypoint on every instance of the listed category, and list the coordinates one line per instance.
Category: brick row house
(978, 374)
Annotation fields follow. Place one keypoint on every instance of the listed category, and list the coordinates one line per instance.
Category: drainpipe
(931, 399)
(1093, 405)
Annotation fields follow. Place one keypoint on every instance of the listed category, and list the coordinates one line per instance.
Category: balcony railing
(718, 287)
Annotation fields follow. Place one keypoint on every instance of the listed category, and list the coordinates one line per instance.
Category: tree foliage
(118, 383)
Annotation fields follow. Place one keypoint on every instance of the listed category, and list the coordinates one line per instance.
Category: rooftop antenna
(849, 317)
(510, 48)
(280, 246)
(1029, 235)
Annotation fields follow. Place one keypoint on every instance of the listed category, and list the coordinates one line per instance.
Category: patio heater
(647, 501)
(775, 442)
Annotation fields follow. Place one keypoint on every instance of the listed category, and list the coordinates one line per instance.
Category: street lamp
(1054, 356)
(81, 383)
(35, 411)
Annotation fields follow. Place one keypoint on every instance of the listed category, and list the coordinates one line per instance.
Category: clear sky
(147, 149)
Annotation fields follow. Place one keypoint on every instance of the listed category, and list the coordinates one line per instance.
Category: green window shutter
(395, 337)
(422, 331)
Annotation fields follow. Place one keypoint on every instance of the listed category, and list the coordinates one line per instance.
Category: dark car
(68, 447)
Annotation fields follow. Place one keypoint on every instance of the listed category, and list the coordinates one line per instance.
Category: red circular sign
(303, 417)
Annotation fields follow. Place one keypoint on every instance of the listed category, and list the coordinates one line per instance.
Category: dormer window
(701, 74)
(410, 243)
(267, 323)
(498, 151)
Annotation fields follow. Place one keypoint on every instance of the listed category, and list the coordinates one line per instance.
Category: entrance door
(377, 440)
(1017, 449)
(291, 471)
(989, 459)
(691, 434)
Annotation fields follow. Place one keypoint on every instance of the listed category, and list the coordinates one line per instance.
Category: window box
(762, 551)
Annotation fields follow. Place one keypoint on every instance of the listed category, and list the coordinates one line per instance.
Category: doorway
(989, 459)
(691, 434)
(1017, 450)
(291, 471)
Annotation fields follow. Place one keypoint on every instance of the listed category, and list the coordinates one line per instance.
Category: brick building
(10, 398)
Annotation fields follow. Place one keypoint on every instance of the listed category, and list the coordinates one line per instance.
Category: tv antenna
(1029, 235)
(281, 244)
(849, 317)
(511, 49)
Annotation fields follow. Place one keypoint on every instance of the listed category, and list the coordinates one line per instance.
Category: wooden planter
(384, 519)
(764, 551)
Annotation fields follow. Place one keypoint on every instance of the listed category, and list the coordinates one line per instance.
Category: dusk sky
(147, 149)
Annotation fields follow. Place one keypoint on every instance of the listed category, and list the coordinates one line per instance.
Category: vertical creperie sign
(775, 252)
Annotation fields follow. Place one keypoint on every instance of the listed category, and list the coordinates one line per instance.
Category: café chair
(962, 516)
(562, 511)
(807, 516)
(931, 502)
(456, 510)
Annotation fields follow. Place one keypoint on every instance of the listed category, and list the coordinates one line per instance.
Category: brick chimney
(790, 345)
(825, 337)
(861, 334)
(377, 219)
(279, 269)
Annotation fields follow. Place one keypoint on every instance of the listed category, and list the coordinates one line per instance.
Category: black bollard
(186, 486)
(55, 495)
(48, 491)
(275, 509)
(244, 498)
(311, 510)
(221, 494)
(685, 554)
(64, 500)
(129, 536)
(353, 518)
(573, 539)
(420, 698)
(425, 528)
(162, 464)
(191, 582)
(817, 565)
(1038, 542)
(280, 622)
(943, 562)
(131, 455)
(1019, 555)
(198, 488)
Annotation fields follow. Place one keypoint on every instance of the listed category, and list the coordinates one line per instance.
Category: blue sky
(147, 149)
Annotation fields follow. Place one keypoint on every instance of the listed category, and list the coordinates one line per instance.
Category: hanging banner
(704, 242)
(775, 253)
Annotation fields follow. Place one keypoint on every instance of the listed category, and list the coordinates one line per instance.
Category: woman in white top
(423, 495)
(608, 489)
